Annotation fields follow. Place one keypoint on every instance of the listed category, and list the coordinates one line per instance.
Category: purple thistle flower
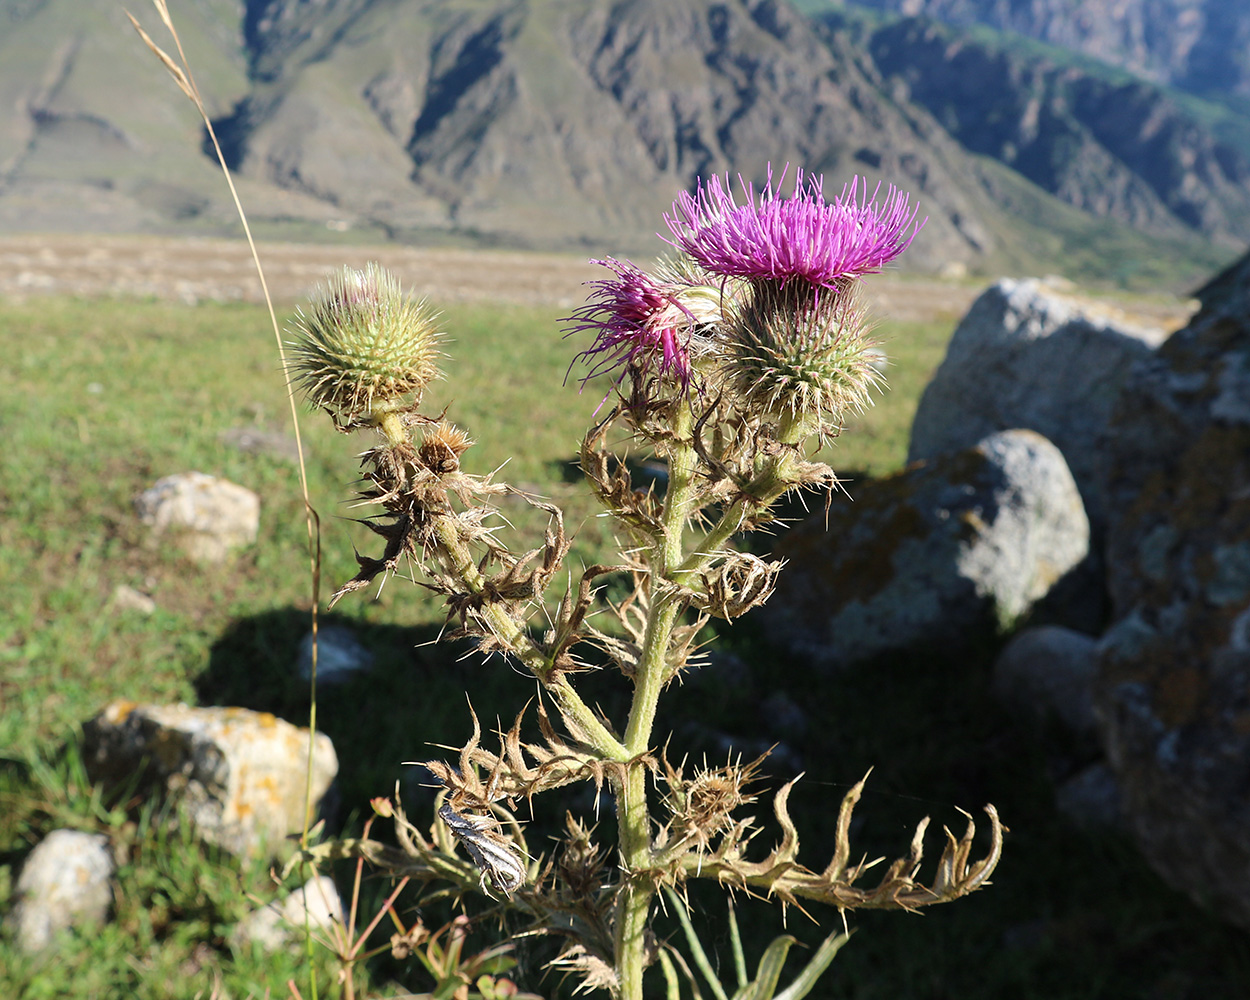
(640, 321)
(802, 237)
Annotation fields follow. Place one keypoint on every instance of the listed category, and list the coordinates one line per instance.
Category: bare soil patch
(194, 269)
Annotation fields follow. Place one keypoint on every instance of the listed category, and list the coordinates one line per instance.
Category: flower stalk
(729, 362)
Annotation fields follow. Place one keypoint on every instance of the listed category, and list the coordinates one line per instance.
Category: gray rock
(65, 882)
(339, 655)
(1026, 356)
(967, 541)
(1091, 799)
(1048, 672)
(281, 924)
(1173, 689)
(208, 517)
(258, 441)
(782, 718)
(126, 598)
(239, 775)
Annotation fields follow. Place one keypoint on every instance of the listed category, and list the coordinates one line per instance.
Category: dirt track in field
(191, 270)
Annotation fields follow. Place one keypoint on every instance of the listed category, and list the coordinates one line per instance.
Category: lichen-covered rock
(1028, 356)
(238, 775)
(966, 541)
(65, 882)
(208, 517)
(1048, 672)
(1174, 678)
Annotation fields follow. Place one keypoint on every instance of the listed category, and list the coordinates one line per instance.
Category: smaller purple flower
(640, 322)
(803, 237)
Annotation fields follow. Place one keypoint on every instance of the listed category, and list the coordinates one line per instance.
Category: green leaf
(735, 940)
(815, 967)
(765, 983)
(672, 985)
(446, 989)
(696, 947)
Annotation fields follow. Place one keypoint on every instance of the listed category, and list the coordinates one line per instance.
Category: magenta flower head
(802, 237)
(643, 323)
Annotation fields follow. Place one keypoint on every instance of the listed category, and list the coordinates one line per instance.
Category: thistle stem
(666, 558)
(634, 906)
(669, 567)
(391, 424)
(762, 492)
(579, 717)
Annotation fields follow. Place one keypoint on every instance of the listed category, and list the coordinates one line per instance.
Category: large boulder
(1025, 355)
(240, 776)
(1173, 691)
(1047, 674)
(964, 542)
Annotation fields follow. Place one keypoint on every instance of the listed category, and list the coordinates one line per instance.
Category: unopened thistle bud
(803, 368)
(364, 349)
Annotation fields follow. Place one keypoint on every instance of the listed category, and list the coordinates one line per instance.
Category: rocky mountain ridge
(1111, 146)
(534, 121)
(1202, 46)
(572, 124)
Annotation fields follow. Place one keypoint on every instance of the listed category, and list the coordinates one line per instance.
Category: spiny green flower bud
(364, 348)
(803, 366)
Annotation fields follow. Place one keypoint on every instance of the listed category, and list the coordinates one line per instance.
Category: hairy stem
(666, 558)
(391, 425)
(581, 720)
(669, 566)
(773, 477)
(634, 905)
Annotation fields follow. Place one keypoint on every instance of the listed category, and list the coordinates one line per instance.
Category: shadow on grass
(1071, 914)
(412, 701)
(412, 696)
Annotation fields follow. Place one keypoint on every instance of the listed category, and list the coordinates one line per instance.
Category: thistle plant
(731, 361)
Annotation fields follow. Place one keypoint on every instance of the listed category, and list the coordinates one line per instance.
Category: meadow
(105, 396)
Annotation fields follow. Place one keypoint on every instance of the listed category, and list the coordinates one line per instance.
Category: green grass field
(105, 397)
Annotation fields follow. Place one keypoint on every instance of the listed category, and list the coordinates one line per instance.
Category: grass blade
(735, 940)
(696, 948)
(815, 967)
(764, 985)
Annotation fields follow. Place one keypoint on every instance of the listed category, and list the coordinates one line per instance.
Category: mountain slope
(568, 121)
(1105, 143)
(94, 136)
(1202, 46)
(546, 123)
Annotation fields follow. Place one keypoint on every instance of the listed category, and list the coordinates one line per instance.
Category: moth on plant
(731, 361)
(492, 853)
